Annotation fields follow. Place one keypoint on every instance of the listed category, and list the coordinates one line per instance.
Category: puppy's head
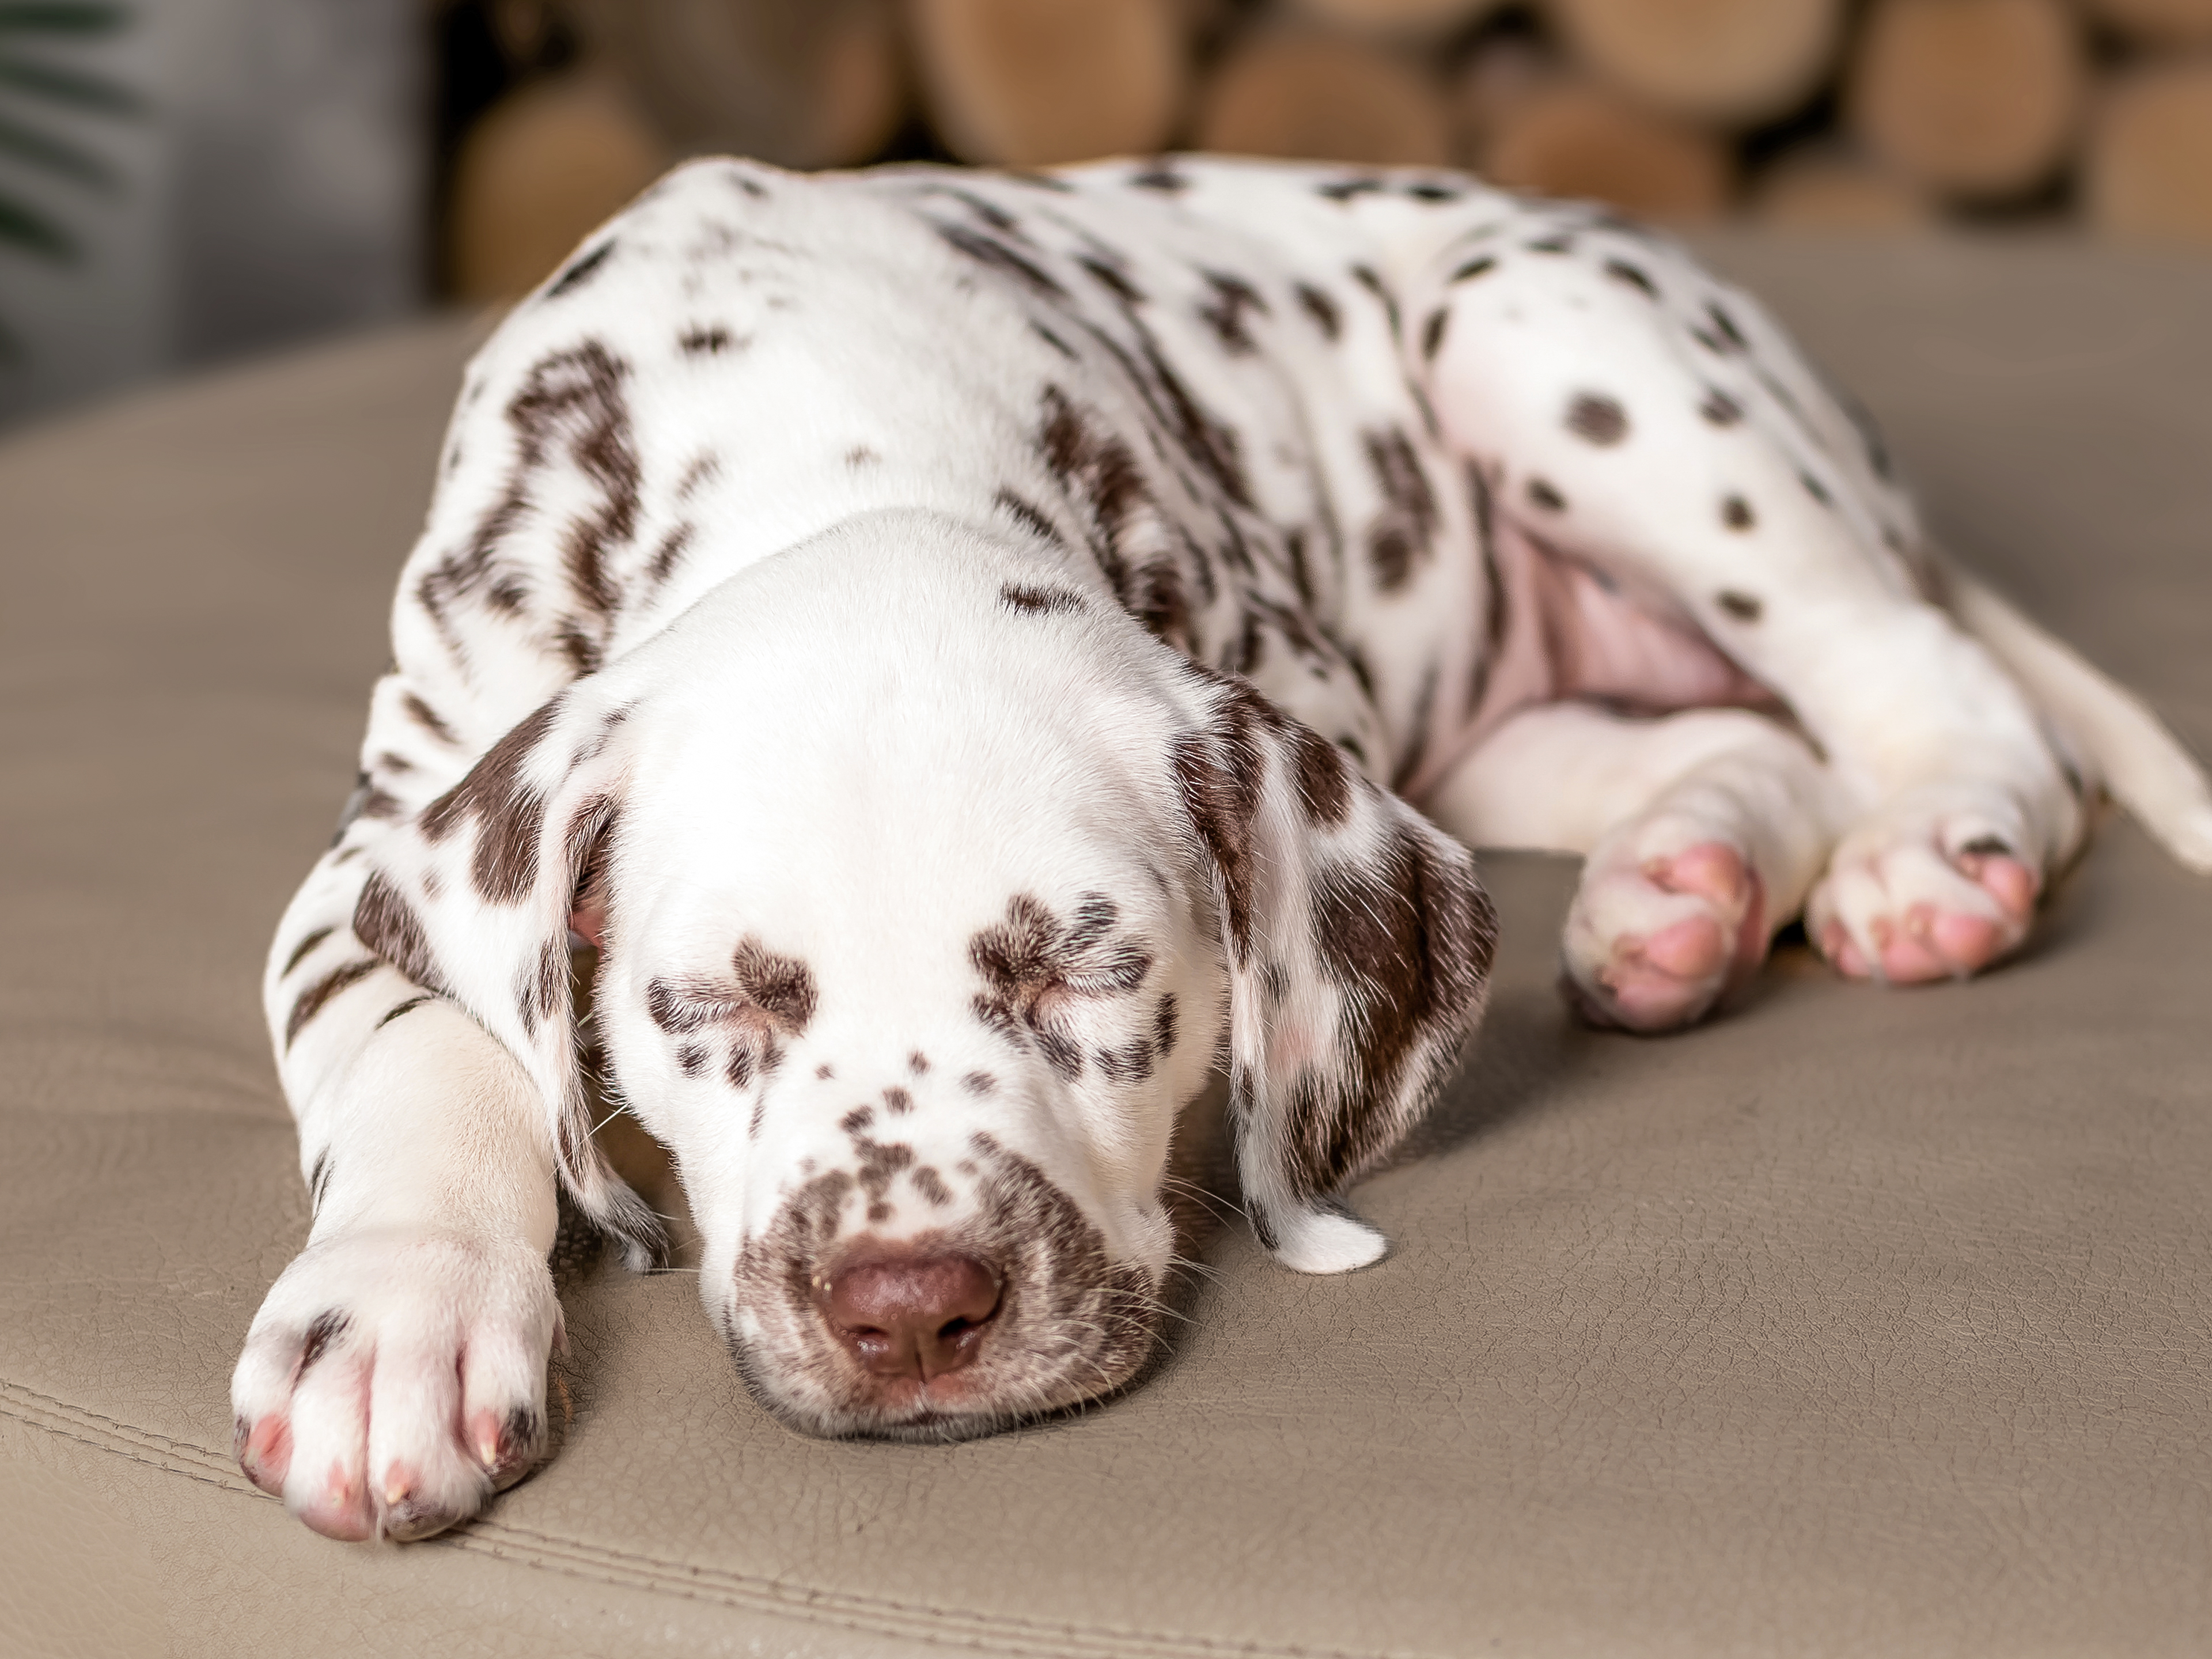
(928, 892)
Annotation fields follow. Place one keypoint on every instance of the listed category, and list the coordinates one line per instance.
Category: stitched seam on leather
(841, 1610)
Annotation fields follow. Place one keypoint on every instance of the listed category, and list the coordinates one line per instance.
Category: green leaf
(39, 149)
(60, 17)
(33, 233)
(67, 85)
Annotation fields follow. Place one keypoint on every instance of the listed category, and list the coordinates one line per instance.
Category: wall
(272, 189)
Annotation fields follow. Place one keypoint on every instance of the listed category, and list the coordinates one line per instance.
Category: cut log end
(536, 175)
(1820, 189)
(1972, 99)
(1314, 96)
(1017, 83)
(2148, 171)
(1730, 62)
(1583, 141)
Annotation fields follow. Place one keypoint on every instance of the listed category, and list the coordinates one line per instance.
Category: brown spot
(1742, 606)
(918, 1063)
(1736, 513)
(427, 717)
(1163, 1025)
(897, 1100)
(580, 270)
(1113, 278)
(704, 466)
(1323, 789)
(931, 1185)
(1160, 176)
(1038, 601)
(691, 1059)
(1597, 418)
(1401, 533)
(1224, 314)
(990, 252)
(740, 1070)
(1474, 268)
(1621, 272)
(1432, 334)
(1029, 516)
(1546, 496)
(1367, 276)
(781, 985)
(880, 1164)
(859, 1118)
(300, 950)
(1322, 309)
(824, 1071)
(861, 455)
(406, 1007)
(508, 813)
(708, 341)
(672, 548)
(879, 1211)
(979, 1083)
(384, 921)
(1721, 409)
(312, 1000)
(327, 1328)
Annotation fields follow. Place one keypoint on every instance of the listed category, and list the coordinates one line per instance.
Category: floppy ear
(1358, 945)
(471, 900)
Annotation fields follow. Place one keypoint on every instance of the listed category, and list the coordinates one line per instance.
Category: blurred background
(187, 181)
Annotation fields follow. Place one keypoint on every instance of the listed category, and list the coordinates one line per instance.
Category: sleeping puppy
(961, 648)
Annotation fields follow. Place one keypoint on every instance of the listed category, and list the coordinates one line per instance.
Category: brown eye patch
(766, 995)
(1034, 962)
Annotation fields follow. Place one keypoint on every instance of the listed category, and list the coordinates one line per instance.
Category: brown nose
(910, 1315)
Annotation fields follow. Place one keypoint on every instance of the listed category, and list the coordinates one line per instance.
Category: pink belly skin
(1570, 635)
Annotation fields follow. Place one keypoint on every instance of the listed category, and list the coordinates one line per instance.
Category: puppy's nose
(910, 1315)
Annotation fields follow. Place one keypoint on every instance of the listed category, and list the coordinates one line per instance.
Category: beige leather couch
(1859, 1323)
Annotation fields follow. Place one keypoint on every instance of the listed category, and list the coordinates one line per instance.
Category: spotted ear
(472, 900)
(1358, 945)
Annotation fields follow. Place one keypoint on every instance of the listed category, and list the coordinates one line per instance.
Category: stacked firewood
(1852, 114)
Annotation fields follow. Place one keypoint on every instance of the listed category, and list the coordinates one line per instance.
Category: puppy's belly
(1571, 632)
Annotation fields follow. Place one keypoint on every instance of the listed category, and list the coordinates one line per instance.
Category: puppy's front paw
(1927, 890)
(1669, 916)
(393, 1380)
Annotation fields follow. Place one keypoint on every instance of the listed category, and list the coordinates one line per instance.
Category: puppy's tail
(2140, 762)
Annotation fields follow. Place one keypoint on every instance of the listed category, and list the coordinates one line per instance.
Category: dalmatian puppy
(967, 651)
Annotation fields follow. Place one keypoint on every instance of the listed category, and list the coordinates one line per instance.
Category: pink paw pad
(1928, 943)
(1670, 977)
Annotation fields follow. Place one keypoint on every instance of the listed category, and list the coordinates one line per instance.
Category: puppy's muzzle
(909, 1316)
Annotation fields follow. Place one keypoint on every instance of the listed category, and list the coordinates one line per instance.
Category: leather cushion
(1861, 1321)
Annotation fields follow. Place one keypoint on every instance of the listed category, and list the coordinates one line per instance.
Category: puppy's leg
(395, 1375)
(1702, 833)
(1646, 419)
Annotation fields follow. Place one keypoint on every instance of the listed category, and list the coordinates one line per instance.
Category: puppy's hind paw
(1921, 898)
(1662, 927)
